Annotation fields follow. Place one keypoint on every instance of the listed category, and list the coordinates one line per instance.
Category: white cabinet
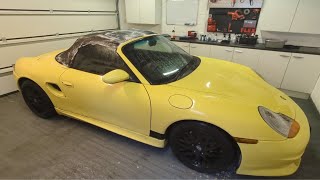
(132, 11)
(8, 84)
(247, 57)
(302, 73)
(221, 52)
(183, 45)
(200, 50)
(143, 11)
(272, 66)
(306, 19)
(277, 15)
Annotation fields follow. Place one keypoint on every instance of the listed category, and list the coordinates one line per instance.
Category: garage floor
(65, 148)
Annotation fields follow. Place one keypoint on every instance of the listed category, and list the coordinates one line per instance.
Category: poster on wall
(235, 3)
(234, 16)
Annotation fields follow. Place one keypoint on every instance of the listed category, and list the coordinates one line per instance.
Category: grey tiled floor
(31, 147)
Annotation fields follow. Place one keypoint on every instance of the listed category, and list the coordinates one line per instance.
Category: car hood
(235, 81)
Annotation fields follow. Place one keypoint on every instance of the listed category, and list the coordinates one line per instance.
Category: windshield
(159, 60)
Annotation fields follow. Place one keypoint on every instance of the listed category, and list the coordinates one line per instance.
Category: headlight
(282, 124)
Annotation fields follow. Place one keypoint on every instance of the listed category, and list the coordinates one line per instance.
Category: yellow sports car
(216, 115)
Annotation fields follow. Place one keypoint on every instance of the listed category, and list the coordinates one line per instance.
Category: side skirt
(118, 130)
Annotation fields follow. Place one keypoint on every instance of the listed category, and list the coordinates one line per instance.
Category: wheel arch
(23, 79)
(230, 137)
(169, 128)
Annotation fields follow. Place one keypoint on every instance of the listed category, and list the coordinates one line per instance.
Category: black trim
(10, 93)
(157, 135)
(118, 14)
(53, 35)
(5, 67)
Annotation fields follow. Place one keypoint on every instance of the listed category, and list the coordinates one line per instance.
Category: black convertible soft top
(109, 39)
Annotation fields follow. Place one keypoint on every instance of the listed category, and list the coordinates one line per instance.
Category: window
(98, 59)
(159, 60)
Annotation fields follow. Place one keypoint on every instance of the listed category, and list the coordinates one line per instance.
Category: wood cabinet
(278, 15)
(221, 52)
(306, 19)
(183, 45)
(302, 73)
(143, 11)
(247, 57)
(272, 66)
(200, 50)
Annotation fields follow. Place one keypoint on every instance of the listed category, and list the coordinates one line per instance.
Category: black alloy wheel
(204, 148)
(37, 100)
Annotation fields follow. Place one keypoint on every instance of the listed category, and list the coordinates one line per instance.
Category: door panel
(272, 66)
(183, 45)
(200, 50)
(222, 52)
(247, 57)
(147, 11)
(302, 73)
(306, 19)
(125, 104)
(277, 15)
(132, 11)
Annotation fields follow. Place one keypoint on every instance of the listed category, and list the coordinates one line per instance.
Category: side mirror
(115, 76)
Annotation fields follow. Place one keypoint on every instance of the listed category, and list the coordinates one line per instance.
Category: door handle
(298, 57)
(284, 55)
(238, 51)
(66, 83)
(228, 50)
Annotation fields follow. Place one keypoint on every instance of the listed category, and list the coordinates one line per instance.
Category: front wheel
(204, 148)
(37, 100)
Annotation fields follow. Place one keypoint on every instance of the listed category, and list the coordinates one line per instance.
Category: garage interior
(62, 147)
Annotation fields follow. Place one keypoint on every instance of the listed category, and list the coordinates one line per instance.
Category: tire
(204, 148)
(37, 100)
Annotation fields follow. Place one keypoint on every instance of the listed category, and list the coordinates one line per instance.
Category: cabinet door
(221, 52)
(200, 50)
(183, 45)
(302, 73)
(132, 11)
(272, 66)
(8, 83)
(306, 19)
(247, 57)
(147, 11)
(277, 15)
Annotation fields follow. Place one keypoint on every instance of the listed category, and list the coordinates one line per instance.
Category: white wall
(33, 27)
(315, 96)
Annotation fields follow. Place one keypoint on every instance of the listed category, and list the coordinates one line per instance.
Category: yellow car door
(124, 104)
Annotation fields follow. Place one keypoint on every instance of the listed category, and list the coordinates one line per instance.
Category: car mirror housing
(115, 76)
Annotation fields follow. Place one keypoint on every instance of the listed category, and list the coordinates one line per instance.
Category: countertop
(260, 46)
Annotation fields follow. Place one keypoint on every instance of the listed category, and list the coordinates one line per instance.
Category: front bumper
(276, 158)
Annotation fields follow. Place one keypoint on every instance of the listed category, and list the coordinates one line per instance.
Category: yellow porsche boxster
(216, 115)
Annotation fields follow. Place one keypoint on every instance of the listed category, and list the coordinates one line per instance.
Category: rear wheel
(37, 100)
(204, 148)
